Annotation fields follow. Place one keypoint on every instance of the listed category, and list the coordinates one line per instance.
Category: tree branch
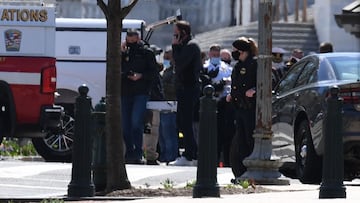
(103, 7)
(125, 11)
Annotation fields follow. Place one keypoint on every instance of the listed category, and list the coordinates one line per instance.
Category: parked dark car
(299, 108)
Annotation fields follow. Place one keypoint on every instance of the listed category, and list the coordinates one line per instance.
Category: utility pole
(260, 167)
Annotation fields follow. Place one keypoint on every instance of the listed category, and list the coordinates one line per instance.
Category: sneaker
(181, 161)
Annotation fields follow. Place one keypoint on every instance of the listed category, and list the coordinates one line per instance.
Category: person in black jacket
(187, 57)
(243, 89)
(139, 68)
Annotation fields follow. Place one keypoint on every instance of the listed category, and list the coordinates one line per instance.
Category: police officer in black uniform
(243, 88)
(139, 71)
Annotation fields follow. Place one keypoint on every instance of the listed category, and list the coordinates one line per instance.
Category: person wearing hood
(242, 95)
(278, 62)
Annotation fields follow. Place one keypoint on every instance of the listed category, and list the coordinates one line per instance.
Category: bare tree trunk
(285, 6)
(115, 162)
(277, 10)
(240, 12)
(296, 10)
(233, 16)
(251, 11)
(304, 13)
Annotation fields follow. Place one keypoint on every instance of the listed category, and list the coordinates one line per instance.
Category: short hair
(132, 32)
(215, 47)
(326, 47)
(183, 26)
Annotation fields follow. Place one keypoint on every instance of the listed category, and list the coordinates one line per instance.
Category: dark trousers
(245, 125)
(187, 99)
(226, 129)
(133, 116)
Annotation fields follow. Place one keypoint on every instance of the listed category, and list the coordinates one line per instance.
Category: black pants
(245, 125)
(187, 99)
(226, 129)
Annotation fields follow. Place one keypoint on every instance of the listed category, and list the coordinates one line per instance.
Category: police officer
(139, 71)
(243, 88)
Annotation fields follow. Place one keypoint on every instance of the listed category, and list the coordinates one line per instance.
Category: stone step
(286, 35)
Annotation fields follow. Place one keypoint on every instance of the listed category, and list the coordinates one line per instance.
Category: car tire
(57, 144)
(308, 163)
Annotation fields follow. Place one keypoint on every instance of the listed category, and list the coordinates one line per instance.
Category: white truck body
(81, 56)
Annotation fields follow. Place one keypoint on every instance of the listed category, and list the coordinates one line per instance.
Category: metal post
(333, 159)
(81, 184)
(99, 146)
(206, 180)
(260, 167)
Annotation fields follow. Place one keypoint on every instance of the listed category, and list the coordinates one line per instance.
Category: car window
(308, 74)
(346, 68)
(288, 82)
(325, 71)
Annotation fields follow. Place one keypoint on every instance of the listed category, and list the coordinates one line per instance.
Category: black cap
(241, 45)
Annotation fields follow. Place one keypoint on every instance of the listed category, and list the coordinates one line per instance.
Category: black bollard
(333, 159)
(99, 145)
(81, 184)
(206, 180)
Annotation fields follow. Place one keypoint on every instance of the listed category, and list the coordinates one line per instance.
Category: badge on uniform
(242, 71)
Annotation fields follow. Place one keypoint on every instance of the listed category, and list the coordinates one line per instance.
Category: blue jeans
(133, 115)
(168, 139)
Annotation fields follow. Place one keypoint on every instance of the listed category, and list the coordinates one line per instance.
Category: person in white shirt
(218, 73)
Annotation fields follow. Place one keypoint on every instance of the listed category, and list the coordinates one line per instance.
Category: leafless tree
(115, 163)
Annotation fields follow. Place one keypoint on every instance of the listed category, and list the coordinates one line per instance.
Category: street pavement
(35, 180)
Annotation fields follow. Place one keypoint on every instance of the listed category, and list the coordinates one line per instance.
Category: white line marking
(18, 78)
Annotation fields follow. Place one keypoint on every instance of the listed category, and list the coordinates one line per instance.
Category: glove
(213, 73)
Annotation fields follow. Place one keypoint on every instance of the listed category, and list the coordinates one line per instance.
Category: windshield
(346, 68)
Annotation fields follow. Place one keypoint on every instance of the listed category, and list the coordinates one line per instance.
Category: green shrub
(12, 148)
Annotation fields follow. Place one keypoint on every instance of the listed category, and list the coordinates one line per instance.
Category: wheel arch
(7, 101)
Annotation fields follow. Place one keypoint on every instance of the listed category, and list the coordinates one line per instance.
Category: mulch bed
(171, 192)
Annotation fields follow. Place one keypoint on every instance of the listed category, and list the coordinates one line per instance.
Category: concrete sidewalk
(292, 193)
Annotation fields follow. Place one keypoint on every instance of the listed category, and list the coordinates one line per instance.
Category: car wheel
(308, 163)
(57, 144)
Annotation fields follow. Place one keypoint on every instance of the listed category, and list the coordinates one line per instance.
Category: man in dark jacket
(139, 70)
(187, 57)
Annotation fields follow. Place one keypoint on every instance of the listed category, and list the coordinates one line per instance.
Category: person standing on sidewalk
(187, 57)
(139, 69)
(152, 123)
(242, 95)
(219, 74)
(169, 134)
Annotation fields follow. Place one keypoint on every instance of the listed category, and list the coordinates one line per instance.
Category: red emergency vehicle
(28, 72)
